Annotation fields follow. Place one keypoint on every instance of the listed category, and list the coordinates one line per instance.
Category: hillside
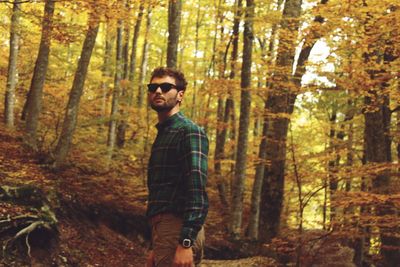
(100, 217)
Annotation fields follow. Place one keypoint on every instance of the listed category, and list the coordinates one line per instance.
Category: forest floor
(100, 217)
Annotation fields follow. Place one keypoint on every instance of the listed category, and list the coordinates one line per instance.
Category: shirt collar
(169, 121)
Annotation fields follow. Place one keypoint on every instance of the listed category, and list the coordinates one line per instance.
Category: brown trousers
(166, 229)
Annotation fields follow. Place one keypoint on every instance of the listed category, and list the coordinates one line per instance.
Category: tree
(262, 154)
(12, 65)
(72, 109)
(244, 121)
(119, 64)
(377, 141)
(279, 104)
(34, 100)
(145, 57)
(129, 75)
(174, 24)
(132, 66)
(106, 68)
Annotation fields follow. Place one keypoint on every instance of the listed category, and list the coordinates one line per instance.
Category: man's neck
(163, 115)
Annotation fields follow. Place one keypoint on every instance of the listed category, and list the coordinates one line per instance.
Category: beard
(165, 106)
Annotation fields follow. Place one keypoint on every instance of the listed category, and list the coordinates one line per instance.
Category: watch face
(187, 243)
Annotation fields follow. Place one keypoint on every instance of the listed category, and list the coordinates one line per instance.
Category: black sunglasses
(165, 87)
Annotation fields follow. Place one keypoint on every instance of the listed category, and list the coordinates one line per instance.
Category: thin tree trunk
(122, 123)
(128, 92)
(106, 70)
(332, 170)
(132, 66)
(71, 112)
(218, 157)
(180, 62)
(244, 121)
(34, 100)
(230, 114)
(145, 57)
(221, 134)
(125, 46)
(9, 104)
(112, 128)
(398, 130)
(196, 49)
(257, 185)
(174, 24)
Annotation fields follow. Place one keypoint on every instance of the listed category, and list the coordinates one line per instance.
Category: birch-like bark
(9, 103)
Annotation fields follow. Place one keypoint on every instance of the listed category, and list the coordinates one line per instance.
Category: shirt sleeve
(194, 149)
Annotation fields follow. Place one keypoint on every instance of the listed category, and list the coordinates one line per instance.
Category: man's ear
(180, 94)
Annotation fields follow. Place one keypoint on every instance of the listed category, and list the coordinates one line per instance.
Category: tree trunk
(174, 24)
(211, 68)
(112, 128)
(244, 121)
(125, 46)
(398, 130)
(218, 157)
(332, 168)
(281, 102)
(377, 150)
(229, 104)
(106, 70)
(71, 113)
(9, 104)
(377, 139)
(196, 49)
(34, 100)
(222, 125)
(145, 57)
(122, 123)
(132, 66)
(257, 185)
(260, 168)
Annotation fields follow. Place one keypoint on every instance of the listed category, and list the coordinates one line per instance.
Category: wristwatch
(186, 243)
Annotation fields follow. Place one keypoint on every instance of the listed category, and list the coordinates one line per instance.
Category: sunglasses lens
(165, 87)
(152, 87)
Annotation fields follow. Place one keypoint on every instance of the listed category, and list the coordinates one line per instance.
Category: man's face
(164, 101)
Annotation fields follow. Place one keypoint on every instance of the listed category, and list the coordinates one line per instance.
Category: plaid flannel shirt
(177, 173)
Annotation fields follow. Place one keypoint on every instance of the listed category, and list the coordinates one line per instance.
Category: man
(177, 174)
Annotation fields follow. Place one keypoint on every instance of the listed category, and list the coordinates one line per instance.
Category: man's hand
(150, 259)
(183, 257)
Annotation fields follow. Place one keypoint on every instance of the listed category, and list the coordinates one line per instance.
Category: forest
(300, 101)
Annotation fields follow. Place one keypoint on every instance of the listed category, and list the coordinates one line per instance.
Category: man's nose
(158, 90)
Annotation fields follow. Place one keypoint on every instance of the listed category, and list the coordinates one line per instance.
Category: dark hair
(180, 80)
